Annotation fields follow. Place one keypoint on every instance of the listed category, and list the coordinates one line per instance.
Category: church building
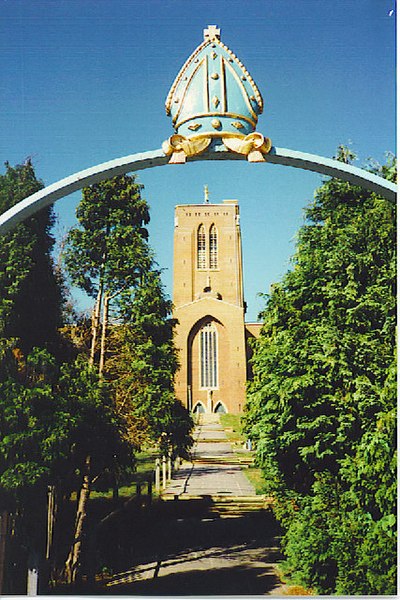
(214, 103)
(211, 334)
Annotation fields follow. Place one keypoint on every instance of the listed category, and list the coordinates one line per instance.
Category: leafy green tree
(142, 365)
(31, 296)
(316, 407)
(107, 253)
(104, 256)
(369, 505)
(108, 256)
(52, 416)
(95, 443)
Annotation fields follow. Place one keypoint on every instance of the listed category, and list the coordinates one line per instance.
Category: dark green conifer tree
(31, 296)
(142, 366)
(321, 406)
(107, 252)
(107, 255)
(31, 308)
(51, 413)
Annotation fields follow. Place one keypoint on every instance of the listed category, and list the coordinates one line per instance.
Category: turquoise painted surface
(147, 160)
(214, 87)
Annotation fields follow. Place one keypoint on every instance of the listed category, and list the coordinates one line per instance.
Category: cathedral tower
(213, 102)
(209, 307)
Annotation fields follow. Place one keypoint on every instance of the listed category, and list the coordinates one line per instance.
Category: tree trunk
(95, 324)
(91, 563)
(51, 517)
(72, 564)
(47, 566)
(115, 491)
(4, 518)
(104, 333)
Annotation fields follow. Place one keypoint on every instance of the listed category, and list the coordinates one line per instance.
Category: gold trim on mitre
(213, 42)
(253, 145)
(216, 114)
(179, 147)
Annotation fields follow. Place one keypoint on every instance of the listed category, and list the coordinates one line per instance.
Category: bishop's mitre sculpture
(214, 100)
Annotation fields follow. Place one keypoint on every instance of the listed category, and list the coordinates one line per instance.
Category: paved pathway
(187, 549)
(194, 556)
(210, 473)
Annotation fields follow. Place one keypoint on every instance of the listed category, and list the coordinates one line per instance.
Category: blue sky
(85, 81)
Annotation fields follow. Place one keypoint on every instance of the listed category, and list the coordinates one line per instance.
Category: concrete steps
(208, 419)
(216, 460)
(221, 505)
(240, 506)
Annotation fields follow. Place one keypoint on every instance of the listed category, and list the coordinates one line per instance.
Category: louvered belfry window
(201, 247)
(208, 357)
(213, 247)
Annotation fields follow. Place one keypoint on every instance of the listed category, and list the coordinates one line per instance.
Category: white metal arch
(147, 160)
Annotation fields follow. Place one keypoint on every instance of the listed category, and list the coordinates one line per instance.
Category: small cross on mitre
(211, 33)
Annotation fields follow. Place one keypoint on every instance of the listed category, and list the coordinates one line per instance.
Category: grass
(254, 475)
(144, 471)
(233, 429)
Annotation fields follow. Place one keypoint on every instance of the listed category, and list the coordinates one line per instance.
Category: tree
(108, 257)
(107, 252)
(31, 307)
(316, 407)
(142, 365)
(52, 417)
(104, 256)
(95, 443)
(31, 296)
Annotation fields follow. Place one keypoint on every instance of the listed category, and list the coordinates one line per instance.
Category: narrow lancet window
(213, 248)
(201, 247)
(208, 357)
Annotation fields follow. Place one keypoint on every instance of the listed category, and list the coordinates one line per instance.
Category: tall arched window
(213, 247)
(208, 357)
(201, 247)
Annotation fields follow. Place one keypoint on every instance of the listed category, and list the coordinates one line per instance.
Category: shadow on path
(201, 555)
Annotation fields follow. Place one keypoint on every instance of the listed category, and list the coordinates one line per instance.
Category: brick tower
(209, 307)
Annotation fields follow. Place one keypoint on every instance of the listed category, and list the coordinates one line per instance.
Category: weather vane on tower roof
(214, 100)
